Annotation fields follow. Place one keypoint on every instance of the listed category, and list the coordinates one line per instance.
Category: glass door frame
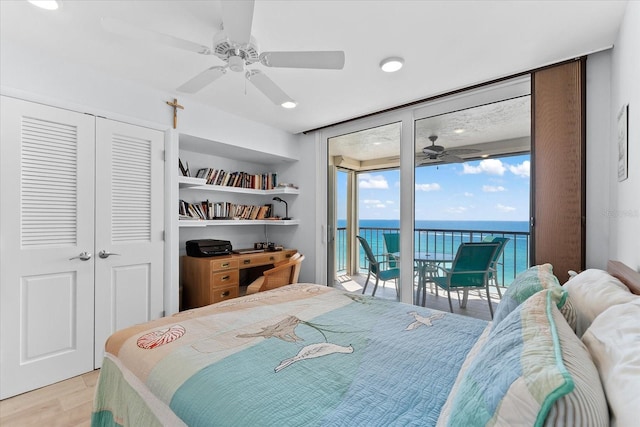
(404, 117)
(489, 93)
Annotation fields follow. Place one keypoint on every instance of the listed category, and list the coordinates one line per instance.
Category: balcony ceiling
(446, 45)
(493, 129)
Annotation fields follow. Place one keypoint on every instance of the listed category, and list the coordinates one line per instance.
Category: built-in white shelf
(217, 222)
(201, 184)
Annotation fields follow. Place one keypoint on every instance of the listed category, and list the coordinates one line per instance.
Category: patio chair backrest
(503, 242)
(472, 257)
(373, 262)
(392, 244)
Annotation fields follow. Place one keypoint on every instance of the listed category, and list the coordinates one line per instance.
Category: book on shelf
(183, 170)
(259, 181)
(206, 210)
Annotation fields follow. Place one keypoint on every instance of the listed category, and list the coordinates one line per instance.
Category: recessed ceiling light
(390, 65)
(484, 156)
(45, 4)
(289, 104)
(458, 131)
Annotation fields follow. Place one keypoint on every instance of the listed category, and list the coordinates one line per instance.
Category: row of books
(264, 181)
(207, 210)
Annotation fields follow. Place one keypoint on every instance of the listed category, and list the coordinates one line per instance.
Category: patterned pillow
(586, 405)
(527, 284)
(518, 374)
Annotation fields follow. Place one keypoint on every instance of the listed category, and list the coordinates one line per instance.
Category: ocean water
(445, 237)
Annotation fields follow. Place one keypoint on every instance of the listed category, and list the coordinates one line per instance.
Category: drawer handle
(225, 294)
(247, 261)
(225, 278)
(272, 258)
(226, 264)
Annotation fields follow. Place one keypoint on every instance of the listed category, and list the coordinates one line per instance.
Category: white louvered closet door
(129, 218)
(46, 218)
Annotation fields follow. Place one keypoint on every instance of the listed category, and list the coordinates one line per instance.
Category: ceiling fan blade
(237, 17)
(123, 28)
(203, 79)
(327, 60)
(449, 158)
(461, 151)
(265, 85)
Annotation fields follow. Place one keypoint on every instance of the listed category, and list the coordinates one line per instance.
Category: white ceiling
(446, 45)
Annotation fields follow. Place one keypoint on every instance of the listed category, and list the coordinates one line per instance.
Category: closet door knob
(84, 256)
(104, 254)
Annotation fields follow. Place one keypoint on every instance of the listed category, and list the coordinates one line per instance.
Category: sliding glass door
(392, 175)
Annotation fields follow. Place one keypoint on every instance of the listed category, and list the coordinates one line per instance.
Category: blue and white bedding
(300, 355)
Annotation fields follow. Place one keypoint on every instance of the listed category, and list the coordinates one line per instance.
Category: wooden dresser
(215, 279)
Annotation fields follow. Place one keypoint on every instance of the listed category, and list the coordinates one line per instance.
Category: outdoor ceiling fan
(239, 50)
(438, 152)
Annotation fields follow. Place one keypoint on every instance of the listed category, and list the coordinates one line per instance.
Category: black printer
(208, 247)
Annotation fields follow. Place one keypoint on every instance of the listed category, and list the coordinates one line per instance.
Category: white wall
(624, 209)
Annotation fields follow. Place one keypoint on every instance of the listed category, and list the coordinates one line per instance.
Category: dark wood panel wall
(558, 167)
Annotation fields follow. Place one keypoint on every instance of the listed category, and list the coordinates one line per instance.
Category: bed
(306, 354)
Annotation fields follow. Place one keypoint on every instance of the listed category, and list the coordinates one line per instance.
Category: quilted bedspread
(300, 355)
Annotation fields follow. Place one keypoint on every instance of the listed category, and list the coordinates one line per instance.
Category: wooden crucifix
(175, 106)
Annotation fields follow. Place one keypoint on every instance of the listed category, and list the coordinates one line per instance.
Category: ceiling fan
(438, 152)
(235, 46)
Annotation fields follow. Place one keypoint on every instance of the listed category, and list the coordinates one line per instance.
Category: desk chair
(493, 275)
(376, 268)
(283, 273)
(470, 270)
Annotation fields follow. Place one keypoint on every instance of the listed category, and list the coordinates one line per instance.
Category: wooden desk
(215, 279)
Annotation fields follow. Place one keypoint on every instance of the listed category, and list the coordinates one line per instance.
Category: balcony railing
(514, 259)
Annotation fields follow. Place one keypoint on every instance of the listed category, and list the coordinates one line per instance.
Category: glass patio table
(426, 263)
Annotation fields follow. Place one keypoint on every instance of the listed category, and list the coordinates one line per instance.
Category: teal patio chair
(493, 275)
(376, 268)
(470, 270)
(392, 246)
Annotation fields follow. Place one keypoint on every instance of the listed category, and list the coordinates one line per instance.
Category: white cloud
(389, 202)
(467, 194)
(488, 166)
(367, 180)
(371, 202)
(374, 203)
(456, 209)
(428, 187)
(523, 169)
(493, 188)
(504, 208)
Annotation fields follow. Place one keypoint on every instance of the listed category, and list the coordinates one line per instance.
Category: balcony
(513, 260)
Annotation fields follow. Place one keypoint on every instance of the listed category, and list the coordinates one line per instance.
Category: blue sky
(488, 190)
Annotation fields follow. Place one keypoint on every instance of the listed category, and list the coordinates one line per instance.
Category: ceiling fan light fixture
(289, 104)
(46, 4)
(236, 64)
(392, 64)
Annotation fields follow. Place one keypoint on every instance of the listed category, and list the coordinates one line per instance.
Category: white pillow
(593, 291)
(613, 339)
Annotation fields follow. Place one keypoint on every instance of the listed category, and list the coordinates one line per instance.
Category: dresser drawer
(223, 264)
(266, 259)
(224, 292)
(224, 278)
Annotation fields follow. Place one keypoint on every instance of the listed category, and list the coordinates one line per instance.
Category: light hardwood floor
(67, 403)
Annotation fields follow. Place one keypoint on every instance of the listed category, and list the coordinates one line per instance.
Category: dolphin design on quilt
(312, 351)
